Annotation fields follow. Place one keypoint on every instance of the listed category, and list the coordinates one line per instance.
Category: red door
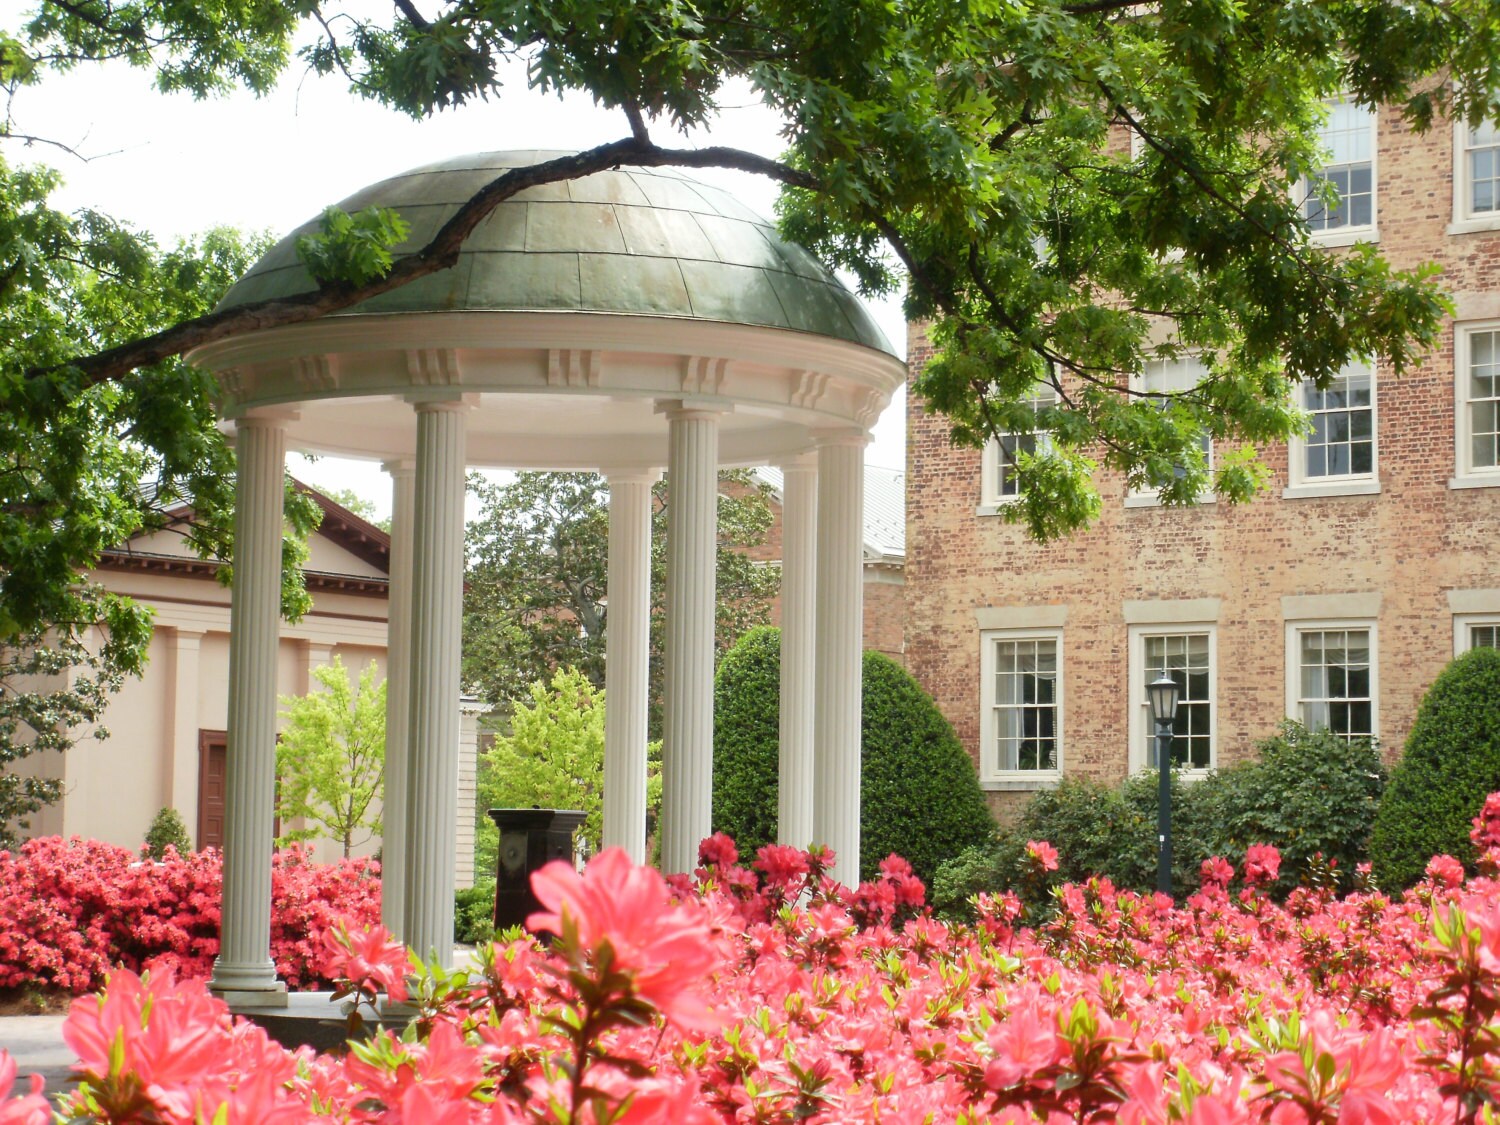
(212, 745)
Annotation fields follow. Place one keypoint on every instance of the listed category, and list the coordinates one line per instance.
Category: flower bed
(721, 1000)
(73, 909)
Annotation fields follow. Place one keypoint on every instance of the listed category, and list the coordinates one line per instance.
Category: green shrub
(919, 794)
(1307, 793)
(474, 913)
(166, 828)
(1452, 762)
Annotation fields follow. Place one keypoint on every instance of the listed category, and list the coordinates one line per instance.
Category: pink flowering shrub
(73, 909)
(767, 994)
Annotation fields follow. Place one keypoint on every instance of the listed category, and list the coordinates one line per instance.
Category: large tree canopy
(978, 148)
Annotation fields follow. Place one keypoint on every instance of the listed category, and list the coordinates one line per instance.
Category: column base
(253, 986)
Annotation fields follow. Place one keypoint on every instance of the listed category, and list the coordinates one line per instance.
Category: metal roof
(644, 241)
(885, 510)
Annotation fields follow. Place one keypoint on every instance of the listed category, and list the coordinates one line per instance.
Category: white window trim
(1465, 221)
(1465, 475)
(1138, 723)
(991, 502)
(1151, 497)
(1462, 622)
(1300, 486)
(1003, 780)
(1347, 235)
(1294, 630)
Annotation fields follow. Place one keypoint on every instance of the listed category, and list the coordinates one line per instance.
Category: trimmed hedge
(1452, 761)
(919, 795)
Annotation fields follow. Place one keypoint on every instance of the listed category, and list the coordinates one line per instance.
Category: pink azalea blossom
(24, 1109)
(368, 955)
(1445, 871)
(1262, 864)
(1043, 854)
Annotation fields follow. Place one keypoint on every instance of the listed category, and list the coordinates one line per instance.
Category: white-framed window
(1348, 138)
(1476, 177)
(1476, 403)
(1340, 453)
(1189, 654)
(1169, 376)
(1475, 630)
(998, 463)
(1021, 693)
(1332, 678)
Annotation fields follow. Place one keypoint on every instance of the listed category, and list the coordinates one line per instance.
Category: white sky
(175, 167)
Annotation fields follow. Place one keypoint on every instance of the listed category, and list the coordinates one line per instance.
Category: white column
(841, 487)
(244, 963)
(436, 615)
(627, 648)
(799, 530)
(397, 697)
(688, 691)
(182, 755)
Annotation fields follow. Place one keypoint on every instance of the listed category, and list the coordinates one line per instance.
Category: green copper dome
(640, 241)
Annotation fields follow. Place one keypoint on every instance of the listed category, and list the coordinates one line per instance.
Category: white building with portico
(632, 322)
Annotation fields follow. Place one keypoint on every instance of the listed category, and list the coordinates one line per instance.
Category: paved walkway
(36, 1043)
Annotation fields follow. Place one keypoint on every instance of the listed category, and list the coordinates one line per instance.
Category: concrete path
(36, 1043)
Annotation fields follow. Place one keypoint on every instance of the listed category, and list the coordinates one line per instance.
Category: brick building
(1335, 597)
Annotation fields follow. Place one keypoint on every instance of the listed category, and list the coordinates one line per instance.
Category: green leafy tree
(538, 560)
(979, 152)
(359, 505)
(49, 687)
(331, 758)
(553, 757)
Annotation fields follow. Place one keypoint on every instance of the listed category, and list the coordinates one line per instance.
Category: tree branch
(439, 254)
(413, 17)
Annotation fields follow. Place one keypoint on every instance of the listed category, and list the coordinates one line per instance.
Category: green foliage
(535, 589)
(919, 796)
(553, 757)
(353, 249)
(1310, 794)
(166, 829)
(49, 686)
(1451, 763)
(330, 761)
(474, 912)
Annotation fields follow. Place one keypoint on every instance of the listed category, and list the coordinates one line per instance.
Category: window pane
(1484, 168)
(1484, 400)
(1484, 636)
(1335, 681)
(1348, 139)
(1025, 704)
(1184, 657)
(1341, 442)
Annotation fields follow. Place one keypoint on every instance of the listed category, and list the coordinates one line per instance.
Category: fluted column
(436, 615)
(397, 697)
(244, 968)
(799, 529)
(688, 696)
(841, 487)
(627, 654)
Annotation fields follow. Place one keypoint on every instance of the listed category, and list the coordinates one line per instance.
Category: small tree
(331, 758)
(553, 757)
(166, 831)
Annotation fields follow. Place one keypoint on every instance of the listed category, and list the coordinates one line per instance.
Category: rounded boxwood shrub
(919, 794)
(1452, 761)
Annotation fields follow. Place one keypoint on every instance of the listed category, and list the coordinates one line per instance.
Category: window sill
(1476, 224)
(1150, 500)
(993, 508)
(1014, 783)
(1492, 481)
(1340, 236)
(1331, 488)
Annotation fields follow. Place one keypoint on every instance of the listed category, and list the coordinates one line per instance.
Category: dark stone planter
(529, 838)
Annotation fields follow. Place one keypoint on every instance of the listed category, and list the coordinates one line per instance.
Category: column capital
(441, 401)
(399, 466)
(265, 418)
(805, 462)
(842, 435)
(693, 407)
(633, 474)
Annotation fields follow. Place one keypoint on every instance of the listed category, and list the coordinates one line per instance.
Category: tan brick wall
(1414, 542)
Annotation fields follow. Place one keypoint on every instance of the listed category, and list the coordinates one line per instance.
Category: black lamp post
(1164, 692)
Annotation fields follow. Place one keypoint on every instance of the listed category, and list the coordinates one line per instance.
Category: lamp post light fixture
(1164, 692)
